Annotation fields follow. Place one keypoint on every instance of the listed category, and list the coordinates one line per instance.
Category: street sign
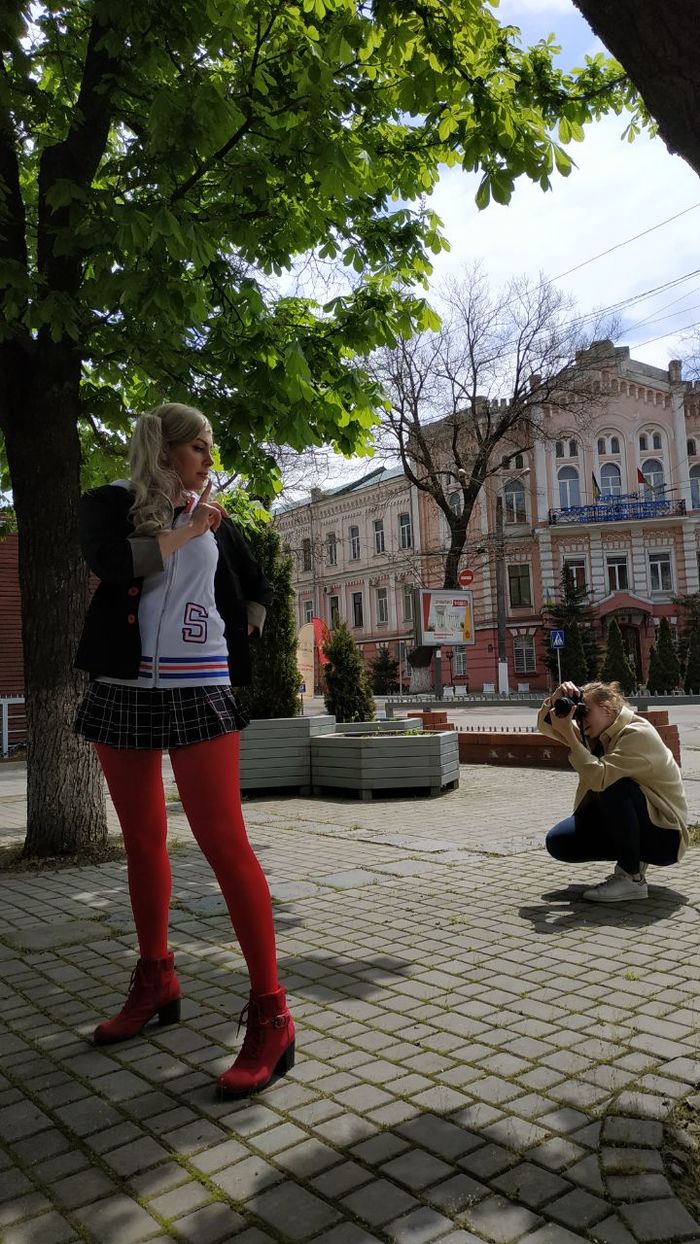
(302, 689)
(465, 578)
(556, 639)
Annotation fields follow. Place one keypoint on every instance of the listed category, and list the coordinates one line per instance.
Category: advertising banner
(446, 617)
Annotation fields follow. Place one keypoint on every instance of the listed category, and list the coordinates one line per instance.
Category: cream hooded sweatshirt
(632, 748)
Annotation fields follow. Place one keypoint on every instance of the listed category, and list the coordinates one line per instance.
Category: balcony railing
(629, 507)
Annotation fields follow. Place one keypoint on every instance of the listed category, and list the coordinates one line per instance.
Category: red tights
(207, 780)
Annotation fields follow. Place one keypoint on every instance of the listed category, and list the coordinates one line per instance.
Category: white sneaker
(619, 887)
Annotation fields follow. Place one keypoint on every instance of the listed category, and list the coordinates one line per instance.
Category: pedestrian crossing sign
(556, 639)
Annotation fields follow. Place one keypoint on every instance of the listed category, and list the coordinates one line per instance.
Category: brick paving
(481, 1056)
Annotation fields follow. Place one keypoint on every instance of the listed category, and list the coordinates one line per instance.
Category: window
(518, 462)
(354, 543)
(459, 660)
(575, 570)
(614, 445)
(617, 573)
(408, 604)
(357, 614)
(692, 449)
(601, 444)
(405, 533)
(653, 472)
(306, 554)
(573, 449)
(660, 572)
(524, 654)
(382, 605)
(695, 487)
(643, 443)
(519, 586)
(379, 535)
(559, 449)
(610, 480)
(331, 549)
(308, 610)
(334, 610)
(514, 495)
(569, 493)
(656, 441)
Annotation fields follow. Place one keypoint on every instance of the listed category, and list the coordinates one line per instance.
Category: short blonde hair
(155, 483)
(606, 693)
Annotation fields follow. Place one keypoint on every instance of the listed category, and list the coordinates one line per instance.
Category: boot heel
(170, 1013)
(286, 1062)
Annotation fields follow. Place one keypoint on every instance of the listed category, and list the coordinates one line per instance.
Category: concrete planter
(375, 727)
(371, 763)
(275, 753)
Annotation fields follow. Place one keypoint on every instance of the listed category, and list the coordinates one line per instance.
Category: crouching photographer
(630, 805)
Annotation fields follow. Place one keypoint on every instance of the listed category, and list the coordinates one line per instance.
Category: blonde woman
(165, 636)
(630, 804)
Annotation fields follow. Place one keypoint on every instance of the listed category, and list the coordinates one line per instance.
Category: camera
(563, 706)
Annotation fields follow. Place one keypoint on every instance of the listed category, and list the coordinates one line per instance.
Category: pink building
(618, 503)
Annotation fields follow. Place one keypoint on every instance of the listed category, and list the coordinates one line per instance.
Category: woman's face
(598, 718)
(192, 461)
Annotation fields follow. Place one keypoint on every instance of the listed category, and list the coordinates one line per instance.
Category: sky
(617, 190)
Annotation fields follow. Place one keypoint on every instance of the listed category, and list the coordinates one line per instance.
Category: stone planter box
(373, 763)
(375, 727)
(275, 753)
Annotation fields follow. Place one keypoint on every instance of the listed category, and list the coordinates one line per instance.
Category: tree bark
(659, 47)
(66, 806)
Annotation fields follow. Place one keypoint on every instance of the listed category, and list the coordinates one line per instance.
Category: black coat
(111, 643)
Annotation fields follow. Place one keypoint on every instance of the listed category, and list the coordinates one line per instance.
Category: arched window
(569, 491)
(653, 472)
(643, 444)
(601, 444)
(559, 449)
(515, 508)
(573, 449)
(610, 480)
(695, 487)
(656, 441)
(519, 462)
(614, 445)
(692, 449)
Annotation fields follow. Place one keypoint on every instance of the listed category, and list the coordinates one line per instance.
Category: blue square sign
(556, 639)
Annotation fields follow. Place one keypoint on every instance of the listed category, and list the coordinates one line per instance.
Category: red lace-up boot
(268, 1046)
(153, 989)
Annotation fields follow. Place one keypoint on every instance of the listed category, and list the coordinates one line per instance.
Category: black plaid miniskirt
(156, 718)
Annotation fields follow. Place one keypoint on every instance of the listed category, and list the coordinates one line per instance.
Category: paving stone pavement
(481, 1055)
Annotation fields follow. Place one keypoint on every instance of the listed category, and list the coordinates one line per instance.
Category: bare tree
(481, 388)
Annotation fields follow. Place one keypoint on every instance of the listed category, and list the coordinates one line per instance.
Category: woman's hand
(566, 727)
(566, 688)
(205, 517)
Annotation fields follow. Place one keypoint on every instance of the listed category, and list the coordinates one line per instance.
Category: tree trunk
(659, 47)
(66, 806)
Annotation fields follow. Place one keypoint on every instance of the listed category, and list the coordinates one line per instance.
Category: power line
(627, 241)
(671, 333)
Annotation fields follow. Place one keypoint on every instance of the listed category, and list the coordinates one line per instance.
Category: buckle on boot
(279, 1021)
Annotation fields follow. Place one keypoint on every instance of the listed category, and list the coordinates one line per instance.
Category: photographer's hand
(566, 727)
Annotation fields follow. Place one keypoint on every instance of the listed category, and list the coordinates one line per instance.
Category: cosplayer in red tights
(207, 780)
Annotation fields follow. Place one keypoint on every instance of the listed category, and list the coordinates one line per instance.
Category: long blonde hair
(156, 485)
(607, 693)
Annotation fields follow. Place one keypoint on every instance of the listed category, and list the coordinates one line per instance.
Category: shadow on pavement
(567, 909)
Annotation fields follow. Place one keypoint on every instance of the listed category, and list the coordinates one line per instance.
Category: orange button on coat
(133, 591)
(131, 618)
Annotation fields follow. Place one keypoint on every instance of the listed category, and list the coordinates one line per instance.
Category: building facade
(615, 500)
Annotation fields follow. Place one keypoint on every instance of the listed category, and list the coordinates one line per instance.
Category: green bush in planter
(274, 691)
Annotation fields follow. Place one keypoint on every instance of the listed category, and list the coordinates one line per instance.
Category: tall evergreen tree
(692, 667)
(274, 691)
(576, 663)
(689, 609)
(384, 673)
(667, 673)
(653, 671)
(348, 695)
(617, 667)
(573, 609)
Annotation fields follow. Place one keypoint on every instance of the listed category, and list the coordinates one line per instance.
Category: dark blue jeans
(614, 825)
